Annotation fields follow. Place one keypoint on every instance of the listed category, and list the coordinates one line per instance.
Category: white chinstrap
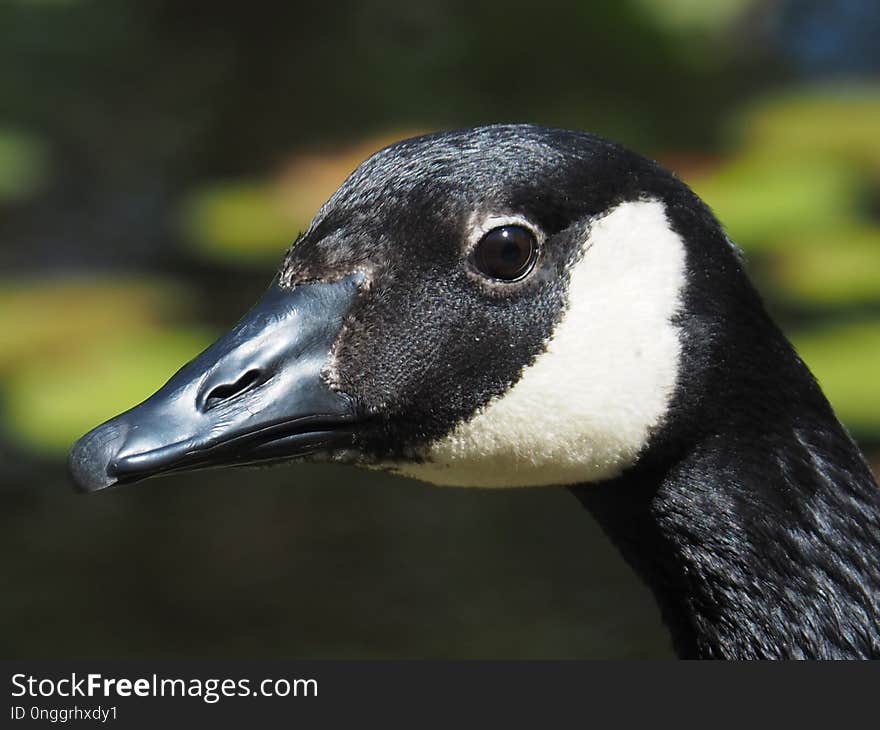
(585, 408)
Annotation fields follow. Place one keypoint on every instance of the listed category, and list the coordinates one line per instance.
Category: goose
(513, 305)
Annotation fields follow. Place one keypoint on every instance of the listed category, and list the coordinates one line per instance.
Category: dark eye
(506, 253)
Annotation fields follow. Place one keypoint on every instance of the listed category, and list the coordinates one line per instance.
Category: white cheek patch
(585, 408)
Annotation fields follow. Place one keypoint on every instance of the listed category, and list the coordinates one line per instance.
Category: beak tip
(90, 457)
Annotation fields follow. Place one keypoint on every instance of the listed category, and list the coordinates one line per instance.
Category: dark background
(157, 157)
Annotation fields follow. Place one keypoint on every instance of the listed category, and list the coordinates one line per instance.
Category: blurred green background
(156, 159)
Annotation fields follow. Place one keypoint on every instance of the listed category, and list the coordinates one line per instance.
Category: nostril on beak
(226, 391)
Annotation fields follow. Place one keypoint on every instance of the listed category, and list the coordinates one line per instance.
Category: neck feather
(757, 546)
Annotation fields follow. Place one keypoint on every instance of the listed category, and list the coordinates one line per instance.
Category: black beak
(257, 394)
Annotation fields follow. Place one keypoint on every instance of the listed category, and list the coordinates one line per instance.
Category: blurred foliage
(22, 165)
(239, 222)
(846, 361)
(158, 157)
(805, 163)
(244, 222)
(112, 370)
(761, 200)
(42, 318)
(107, 337)
(838, 122)
(695, 14)
(832, 268)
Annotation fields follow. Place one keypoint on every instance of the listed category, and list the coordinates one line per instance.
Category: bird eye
(506, 253)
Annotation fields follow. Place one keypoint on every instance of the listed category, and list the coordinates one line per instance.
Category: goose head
(500, 306)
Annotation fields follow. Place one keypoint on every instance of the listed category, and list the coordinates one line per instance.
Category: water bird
(511, 306)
